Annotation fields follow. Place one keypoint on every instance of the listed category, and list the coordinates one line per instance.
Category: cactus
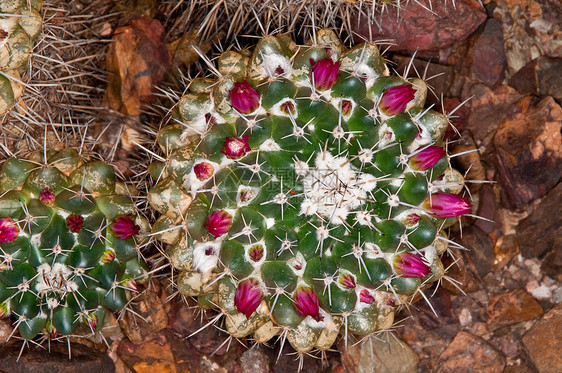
(20, 24)
(304, 191)
(68, 244)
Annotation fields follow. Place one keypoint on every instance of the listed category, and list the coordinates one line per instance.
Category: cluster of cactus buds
(305, 191)
(20, 24)
(68, 243)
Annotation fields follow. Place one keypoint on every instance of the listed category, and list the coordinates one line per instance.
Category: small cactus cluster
(20, 24)
(68, 243)
(304, 191)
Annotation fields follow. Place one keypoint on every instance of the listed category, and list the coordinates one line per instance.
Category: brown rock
(543, 342)
(481, 254)
(376, 355)
(488, 107)
(254, 361)
(540, 234)
(529, 151)
(35, 360)
(540, 77)
(137, 61)
(487, 54)
(486, 209)
(511, 308)
(459, 118)
(505, 249)
(152, 356)
(469, 353)
(149, 318)
(416, 28)
(5, 330)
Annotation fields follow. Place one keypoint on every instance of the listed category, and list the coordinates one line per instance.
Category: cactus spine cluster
(68, 243)
(20, 24)
(304, 191)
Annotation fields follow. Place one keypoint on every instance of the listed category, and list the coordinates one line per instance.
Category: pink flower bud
(412, 219)
(307, 303)
(427, 158)
(74, 223)
(248, 296)
(325, 73)
(347, 281)
(235, 148)
(203, 170)
(108, 256)
(47, 196)
(8, 230)
(131, 284)
(218, 223)
(410, 265)
(124, 227)
(256, 252)
(92, 321)
(395, 99)
(244, 98)
(447, 205)
(366, 297)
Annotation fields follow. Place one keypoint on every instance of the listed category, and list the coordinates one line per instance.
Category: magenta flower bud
(74, 223)
(47, 196)
(235, 148)
(427, 158)
(447, 205)
(410, 265)
(9, 231)
(395, 99)
(248, 296)
(92, 321)
(325, 73)
(307, 303)
(244, 98)
(124, 227)
(203, 170)
(218, 223)
(131, 284)
(366, 297)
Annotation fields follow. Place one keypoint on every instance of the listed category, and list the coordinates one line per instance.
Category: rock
(529, 151)
(481, 254)
(486, 209)
(469, 353)
(543, 342)
(511, 308)
(459, 119)
(5, 330)
(254, 361)
(540, 77)
(540, 234)
(487, 110)
(530, 29)
(376, 355)
(36, 360)
(152, 356)
(505, 249)
(487, 54)
(150, 318)
(137, 61)
(416, 28)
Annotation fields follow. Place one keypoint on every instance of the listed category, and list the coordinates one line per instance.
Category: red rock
(543, 342)
(528, 147)
(469, 353)
(511, 308)
(487, 54)
(416, 28)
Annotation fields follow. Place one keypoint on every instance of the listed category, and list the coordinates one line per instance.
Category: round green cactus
(304, 191)
(20, 24)
(68, 243)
